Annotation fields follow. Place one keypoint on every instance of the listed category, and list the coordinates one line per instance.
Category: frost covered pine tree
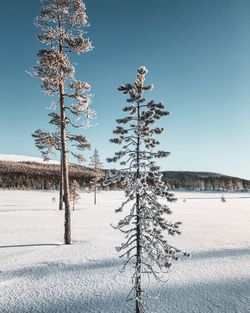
(145, 245)
(74, 193)
(96, 163)
(62, 24)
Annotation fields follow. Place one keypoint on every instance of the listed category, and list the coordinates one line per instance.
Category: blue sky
(198, 56)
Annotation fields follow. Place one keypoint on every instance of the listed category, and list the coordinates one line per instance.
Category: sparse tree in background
(96, 163)
(62, 25)
(74, 193)
(53, 199)
(145, 245)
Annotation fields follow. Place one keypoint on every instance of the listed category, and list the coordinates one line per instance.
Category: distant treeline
(40, 176)
(46, 176)
(204, 181)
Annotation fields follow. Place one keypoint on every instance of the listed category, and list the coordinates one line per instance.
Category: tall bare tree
(145, 245)
(62, 24)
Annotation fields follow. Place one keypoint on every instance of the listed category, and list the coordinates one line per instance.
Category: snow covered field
(39, 274)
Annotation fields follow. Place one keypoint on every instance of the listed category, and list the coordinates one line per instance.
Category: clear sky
(198, 56)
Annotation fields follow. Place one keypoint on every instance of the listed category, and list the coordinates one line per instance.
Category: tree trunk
(61, 186)
(138, 299)
(67, 221)
(65, 171)
(95, 195)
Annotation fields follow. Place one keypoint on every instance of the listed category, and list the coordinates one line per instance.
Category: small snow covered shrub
(145, 225)
(74, 193)
(223, 199)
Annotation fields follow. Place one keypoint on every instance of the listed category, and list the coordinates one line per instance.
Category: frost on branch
(62, 24)
(146, 224)
(49, 143)
(46, 142)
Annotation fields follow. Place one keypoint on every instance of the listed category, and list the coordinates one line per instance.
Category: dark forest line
(46, 176)
(40, 176)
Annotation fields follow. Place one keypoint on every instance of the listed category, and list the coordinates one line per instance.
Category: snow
(39, 274)
(24, 158)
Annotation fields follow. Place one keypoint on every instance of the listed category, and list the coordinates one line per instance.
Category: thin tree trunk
(138, 259)
(95, 195)
(61, 186)
(66, 196)
(67, 221)
(138, 300)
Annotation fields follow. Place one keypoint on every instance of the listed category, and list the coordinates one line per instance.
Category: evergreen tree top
(62, 24)
(64, 20)
(95, 160)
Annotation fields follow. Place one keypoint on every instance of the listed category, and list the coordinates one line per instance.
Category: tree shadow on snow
(31, 245)
(221, 253)
(101, 288)
(43, 269)
(54, 267)
(228, 296)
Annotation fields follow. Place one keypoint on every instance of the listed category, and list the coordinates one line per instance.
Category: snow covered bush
(74, 193)
(222, 198)
(144, 226)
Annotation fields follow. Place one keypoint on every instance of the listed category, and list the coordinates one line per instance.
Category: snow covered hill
(24, 158)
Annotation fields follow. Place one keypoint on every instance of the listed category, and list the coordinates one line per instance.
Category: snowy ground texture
(39, 274)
